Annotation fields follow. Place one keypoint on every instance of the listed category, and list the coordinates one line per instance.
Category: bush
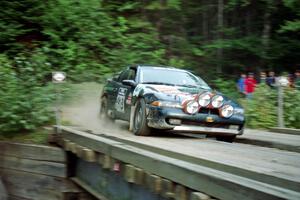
(24, 105)
(227, 87)
(292, 108)
(261, 111)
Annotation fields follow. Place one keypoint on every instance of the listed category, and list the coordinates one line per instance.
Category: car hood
(174, 93)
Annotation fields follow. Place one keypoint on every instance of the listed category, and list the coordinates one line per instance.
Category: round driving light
(204, 99)
(192, 107)
(227, 111)
(217, 101)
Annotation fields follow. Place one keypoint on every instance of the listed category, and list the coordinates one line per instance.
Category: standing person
(241, 84)
(297, 80)
(271, 80)
(262, 78)
(250, 84)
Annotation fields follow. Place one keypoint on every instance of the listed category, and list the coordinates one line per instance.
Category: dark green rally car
(170, 99)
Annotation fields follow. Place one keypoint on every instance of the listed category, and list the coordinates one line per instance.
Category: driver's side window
(128, 74)
(131, 74)
(123, 75)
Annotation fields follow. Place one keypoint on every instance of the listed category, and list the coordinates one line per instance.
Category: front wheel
(140, 126)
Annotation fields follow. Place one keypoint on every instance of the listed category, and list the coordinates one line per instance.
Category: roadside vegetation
(261, 110)
(90, 40)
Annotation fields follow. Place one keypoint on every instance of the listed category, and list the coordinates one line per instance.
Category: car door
(110, 91)
(124, 94)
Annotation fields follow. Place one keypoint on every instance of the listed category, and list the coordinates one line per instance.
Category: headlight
(204, 99)
(169, 104)
(217, 101)
(227, 111)
(192, 107)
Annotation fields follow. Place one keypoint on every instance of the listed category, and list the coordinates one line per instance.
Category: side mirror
(131, 83)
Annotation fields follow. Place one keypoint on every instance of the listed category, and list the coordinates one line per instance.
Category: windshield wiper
(187, 85)
(194, 86)
(158, 83)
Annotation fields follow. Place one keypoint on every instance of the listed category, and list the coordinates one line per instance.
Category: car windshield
(167, 76)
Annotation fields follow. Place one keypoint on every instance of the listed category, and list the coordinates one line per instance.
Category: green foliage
(227, 87)
(261, 110)
(22, 106)
(90, 40)
(292, 108)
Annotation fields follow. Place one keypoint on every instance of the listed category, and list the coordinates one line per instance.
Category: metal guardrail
(195, 177)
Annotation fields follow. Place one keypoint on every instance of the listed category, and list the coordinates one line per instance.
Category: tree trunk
(204, 21)
(220, 34)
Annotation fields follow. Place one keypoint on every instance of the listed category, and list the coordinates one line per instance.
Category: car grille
(210, 111)
(204, 124)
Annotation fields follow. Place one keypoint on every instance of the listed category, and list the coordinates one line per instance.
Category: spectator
(297, 80)
(271, 80)
(262, 77)
(250, 84)
(291, 80)
(241, 84)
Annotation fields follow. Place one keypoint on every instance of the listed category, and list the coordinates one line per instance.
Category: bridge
(112, 166)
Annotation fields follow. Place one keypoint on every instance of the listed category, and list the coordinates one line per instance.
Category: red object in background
(250, 84)
(116, 167)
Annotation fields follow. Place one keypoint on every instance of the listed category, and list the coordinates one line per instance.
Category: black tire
(103, 114)
(229, 139)
(140, 126)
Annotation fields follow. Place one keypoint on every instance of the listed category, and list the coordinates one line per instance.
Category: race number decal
(120, 102)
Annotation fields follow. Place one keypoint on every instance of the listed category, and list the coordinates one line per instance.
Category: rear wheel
(103, 114)
(140, 126)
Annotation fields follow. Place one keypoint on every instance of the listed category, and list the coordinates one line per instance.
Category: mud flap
(132, 110)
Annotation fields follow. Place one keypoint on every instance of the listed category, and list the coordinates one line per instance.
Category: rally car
(171, 99)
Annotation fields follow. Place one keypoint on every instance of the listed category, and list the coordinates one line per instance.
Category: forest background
(91, 39)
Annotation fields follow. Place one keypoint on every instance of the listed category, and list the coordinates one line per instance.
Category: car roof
(156, 67)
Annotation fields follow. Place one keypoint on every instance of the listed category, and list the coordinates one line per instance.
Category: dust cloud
(83, 110)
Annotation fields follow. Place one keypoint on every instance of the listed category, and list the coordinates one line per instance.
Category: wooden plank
(26, 179)
(214, 182)
(32, 151)
(199, 196)
(33, 166)
(3, 193)
(168, 188)
(107, 162)
(139, 176)
(181, 193)
(34, 192)
(88, 155)
(129, 174)
(154, 183)
(89, 189)
(13, 197)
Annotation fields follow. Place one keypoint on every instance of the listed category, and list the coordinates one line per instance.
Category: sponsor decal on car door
(120, 101)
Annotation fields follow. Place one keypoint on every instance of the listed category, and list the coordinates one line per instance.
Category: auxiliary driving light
(204, 99)
(217, 101)
(227, 111)
(192, 107)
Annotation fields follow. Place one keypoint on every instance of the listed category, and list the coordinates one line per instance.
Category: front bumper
(158, 117)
